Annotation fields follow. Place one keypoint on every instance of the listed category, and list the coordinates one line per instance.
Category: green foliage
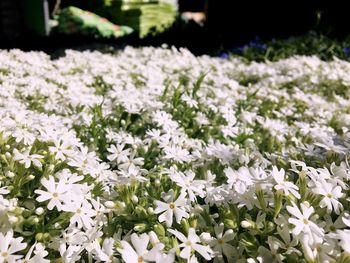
(309, 44)
(145, 17)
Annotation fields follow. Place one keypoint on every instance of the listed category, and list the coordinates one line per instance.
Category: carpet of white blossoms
(155, 155)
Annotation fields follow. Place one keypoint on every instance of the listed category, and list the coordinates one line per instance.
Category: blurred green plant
(312, 43)
(146, 17)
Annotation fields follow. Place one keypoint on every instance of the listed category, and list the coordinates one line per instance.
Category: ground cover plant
(155, 155)
(309, 44)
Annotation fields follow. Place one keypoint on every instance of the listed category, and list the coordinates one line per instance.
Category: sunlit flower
(171, 208)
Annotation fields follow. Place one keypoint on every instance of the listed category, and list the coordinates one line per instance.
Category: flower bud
(159, 229)
(140, 227)
(229, 223)
(185, 225)
(10, 174)
(33, 220)
(134, 199)
(31, 177)
(150, 210)
(109, 204)
(153, 238)
(51, 168)
(193, 222)
(246, 224)
(8, 155)
(39, 236)
(39, 211)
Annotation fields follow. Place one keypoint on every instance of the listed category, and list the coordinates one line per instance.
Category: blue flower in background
(346, 50)
(224, 55)
(257, 44)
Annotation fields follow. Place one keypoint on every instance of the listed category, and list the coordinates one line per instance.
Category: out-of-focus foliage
(311, 43)
(74, 20)
(145, 17)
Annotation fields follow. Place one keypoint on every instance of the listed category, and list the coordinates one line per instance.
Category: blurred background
(203, 26)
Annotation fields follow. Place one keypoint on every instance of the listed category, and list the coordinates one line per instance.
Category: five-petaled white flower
(282, 184)
(57, 193)
(139, 252)
(171, 208)
(82, 213)
(219, 244)
(331, 194)
(27, 159)
(9, 246)
(302, 222)
(118, 153)
(190, 244)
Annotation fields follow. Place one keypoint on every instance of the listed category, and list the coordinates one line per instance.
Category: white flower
(39, 254)
(188, 184)
(82, 213)
(139, 252)
(118, 154)
(9, 246)
(346, 219)
(84, 161)
(190, 244)
(27, 159)
(240, 180)
(302, 222)
(344, 237)
(177, 154)
(219, 244)
(132, 161)
(166, 258)
(192, 103)
(286, 186)
(61, 149)
(4, 191)
(171, 208)
(57, 193)
(132, 174)
(331, 194)
(106, 252)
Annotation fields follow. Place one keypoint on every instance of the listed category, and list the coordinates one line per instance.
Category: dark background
(229, 24)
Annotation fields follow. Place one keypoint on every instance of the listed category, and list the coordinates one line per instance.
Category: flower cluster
(155, 155)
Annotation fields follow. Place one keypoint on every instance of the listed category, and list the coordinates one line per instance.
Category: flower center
(55, 194)
(78, 211)
(329, 195)
(220, 241)
(305, 221)
(172, 205)
(188, 243)
(4, 254)
(140, 259)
